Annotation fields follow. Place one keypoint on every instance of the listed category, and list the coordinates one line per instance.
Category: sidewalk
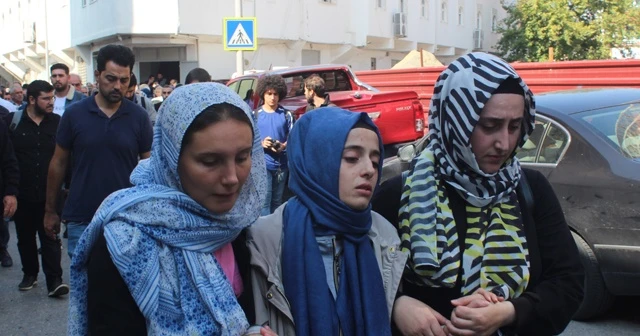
(30, 313)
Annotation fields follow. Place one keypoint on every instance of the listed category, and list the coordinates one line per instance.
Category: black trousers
(29, 219)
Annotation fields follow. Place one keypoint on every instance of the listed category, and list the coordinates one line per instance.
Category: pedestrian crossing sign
(240, 34)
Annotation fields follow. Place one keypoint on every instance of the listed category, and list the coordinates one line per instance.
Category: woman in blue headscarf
(324, 263)
(157, 259)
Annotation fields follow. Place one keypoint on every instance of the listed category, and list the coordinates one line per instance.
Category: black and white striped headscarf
(427, 225)
(459, 96)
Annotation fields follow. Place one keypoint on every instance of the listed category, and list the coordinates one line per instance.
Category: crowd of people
(177, 220)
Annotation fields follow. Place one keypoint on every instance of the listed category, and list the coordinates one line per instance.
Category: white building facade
(175, 36)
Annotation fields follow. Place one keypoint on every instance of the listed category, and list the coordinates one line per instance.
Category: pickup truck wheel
(597, 298)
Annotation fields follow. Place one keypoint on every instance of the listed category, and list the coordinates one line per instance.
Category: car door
(245, 88)
(545, 147)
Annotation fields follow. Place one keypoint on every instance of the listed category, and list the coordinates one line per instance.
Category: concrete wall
(341, 31)
(489, 8)
(103, 18)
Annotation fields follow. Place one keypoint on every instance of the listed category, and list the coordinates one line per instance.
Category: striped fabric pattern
(496, 253)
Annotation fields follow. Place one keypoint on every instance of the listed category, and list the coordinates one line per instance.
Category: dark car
(587, 143)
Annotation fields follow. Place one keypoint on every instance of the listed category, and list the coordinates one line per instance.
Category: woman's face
(359, 168)
(497, 133)
(214, 166)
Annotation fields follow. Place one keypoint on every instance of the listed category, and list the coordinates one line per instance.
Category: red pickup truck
(399, 115)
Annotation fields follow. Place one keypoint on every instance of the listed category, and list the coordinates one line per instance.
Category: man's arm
(151, 110)
(55, 177)
(10, 174)
(146, 138)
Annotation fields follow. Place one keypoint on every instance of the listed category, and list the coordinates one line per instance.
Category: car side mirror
(407, 153)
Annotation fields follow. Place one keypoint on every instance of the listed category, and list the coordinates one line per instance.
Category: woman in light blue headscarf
(157, 258)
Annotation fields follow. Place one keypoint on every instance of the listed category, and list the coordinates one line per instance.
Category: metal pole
(239, 53)
(46, 39)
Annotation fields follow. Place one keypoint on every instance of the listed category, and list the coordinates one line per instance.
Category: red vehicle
(399, 115)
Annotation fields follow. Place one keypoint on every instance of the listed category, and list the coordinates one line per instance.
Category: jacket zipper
(336, 265)
(336, 268)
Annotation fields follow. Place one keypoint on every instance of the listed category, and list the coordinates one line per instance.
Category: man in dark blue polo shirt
(106, 135)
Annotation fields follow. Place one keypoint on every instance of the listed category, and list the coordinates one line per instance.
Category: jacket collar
(72, 91)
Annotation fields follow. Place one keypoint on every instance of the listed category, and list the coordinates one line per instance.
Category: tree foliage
(576, 29)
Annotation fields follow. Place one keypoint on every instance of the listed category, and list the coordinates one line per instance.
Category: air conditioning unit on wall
(400, 24)
(478, 36)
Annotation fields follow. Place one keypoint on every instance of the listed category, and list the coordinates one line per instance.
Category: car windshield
(334, 80)
(619, 125)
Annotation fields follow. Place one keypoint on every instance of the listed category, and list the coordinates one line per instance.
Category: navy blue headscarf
(315, 148)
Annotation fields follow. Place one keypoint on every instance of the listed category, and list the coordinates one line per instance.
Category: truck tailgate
(391, 111)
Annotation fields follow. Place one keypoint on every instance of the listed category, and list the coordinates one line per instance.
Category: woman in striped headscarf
(157, 258)
(485, 258)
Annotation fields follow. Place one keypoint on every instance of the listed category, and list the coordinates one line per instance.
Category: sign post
(239, 34)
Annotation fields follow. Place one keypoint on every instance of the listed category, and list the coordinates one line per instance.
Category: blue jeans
(275, 189)
(74, 232)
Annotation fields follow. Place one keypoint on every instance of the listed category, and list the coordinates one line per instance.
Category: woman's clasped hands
(480, 313)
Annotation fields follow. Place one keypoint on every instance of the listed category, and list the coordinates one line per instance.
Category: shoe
(28, 282)
(58, 288)
(5, 258)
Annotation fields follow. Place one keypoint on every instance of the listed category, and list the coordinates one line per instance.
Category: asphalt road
(32, 313)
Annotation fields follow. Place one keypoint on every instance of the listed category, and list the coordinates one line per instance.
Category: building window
(374, 62)
(479, 20)
(494, 20)
(84, 3)
(380, 3)
(460, 16)
(328, 1)
(423, 8)
(443, 11)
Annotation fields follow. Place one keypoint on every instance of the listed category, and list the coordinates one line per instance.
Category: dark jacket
(9, 172)
(556, 284)
(73, 96)
(33, 146)
(327, 102)
(111, 307)
(3, 112)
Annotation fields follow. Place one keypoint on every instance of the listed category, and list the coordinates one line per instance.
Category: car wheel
(597, 298)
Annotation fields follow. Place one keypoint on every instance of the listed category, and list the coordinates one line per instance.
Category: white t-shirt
(8, 105)
(58, 105)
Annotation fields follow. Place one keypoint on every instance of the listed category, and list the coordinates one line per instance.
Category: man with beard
(314, 91)
(140, 99)
(33, 133)
(106, 135)
(65, 93)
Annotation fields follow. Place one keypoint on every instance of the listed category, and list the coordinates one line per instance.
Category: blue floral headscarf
(162, 241)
